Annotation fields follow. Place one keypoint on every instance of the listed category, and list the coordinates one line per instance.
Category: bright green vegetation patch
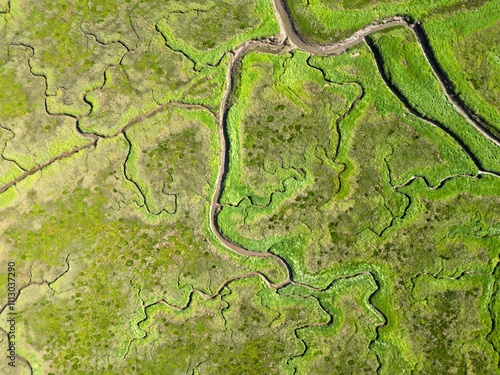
(415, 148)
(406, 68)
(206, 30)
(324, 21)
(449, 323)
(447, 234)
(467, 48)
